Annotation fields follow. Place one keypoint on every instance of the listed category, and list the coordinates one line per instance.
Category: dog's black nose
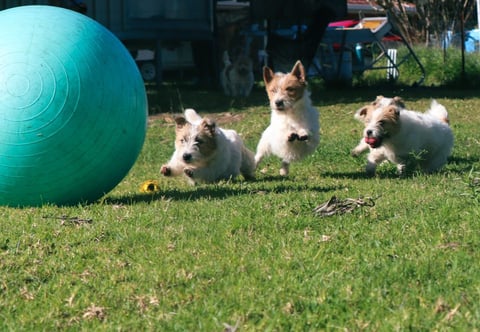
(369, 132)
(279, 103)
(187, 157)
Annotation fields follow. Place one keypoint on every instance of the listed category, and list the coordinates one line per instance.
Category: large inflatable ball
(73, 108)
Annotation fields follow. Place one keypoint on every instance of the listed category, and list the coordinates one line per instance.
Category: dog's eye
(198, 141)
(381, 122)
(273, 90)
(290, 89)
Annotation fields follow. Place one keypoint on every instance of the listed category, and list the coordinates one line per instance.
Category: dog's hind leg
(263, 149)
(285, 168)
(435, 164)
(401, 169)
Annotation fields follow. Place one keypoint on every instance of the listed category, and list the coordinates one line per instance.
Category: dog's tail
(226, 59)
(439, 111)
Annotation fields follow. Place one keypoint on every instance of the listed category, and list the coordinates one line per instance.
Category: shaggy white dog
(294, 127)
(397, 135)
(207, 153)
(364, 115)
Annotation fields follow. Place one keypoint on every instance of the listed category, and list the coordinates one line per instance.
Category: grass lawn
(253, 256)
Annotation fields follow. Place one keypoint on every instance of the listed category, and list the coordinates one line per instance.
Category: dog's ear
(208, 126)
(377, 100)
(192, 116)
(361, 114)
(268, 75)
(298, 71)
(398, 101)
(392, 112)
(180, 121)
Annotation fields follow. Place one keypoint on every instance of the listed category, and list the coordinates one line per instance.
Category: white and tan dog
(206, 153)
(237, 77)
(294, 127)
(397, 135)
(364, 115)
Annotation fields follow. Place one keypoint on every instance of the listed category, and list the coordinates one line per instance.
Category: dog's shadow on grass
(462, 165)
(217, 192)
(354, 175)
(455, 164)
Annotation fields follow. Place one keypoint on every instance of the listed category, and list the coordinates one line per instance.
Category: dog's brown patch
(182, 131)
(180, 122)
(398, 101)
(208, 127)
(388, 119)
(207, 144)
(201, 138)
(285, 89)
(386, 125)
(364, 114)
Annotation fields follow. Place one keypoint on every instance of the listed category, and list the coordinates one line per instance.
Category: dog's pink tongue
(372, 141)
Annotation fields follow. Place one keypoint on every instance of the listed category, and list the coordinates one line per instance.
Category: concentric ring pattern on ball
(73, 108)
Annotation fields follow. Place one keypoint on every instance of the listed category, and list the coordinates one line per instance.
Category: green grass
(253, 254)
(442, 68)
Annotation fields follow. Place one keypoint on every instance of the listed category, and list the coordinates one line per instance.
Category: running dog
(206, 153)
(364, 115)
(397, 134)
(294, 127)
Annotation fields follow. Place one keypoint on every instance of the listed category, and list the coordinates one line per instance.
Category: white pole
(478, 17)
(478, 14)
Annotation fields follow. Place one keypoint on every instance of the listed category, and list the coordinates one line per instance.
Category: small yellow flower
(150, 186)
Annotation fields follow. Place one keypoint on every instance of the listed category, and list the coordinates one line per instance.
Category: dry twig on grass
(336, 206)
(73, 220)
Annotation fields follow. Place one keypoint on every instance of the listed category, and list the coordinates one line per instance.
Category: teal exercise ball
(73, 108)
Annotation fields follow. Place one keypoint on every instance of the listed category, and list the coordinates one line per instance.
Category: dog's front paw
(188, 172)
(302, 138)
(302, 135)
(355, 153)
(292, 137)
(165, 170)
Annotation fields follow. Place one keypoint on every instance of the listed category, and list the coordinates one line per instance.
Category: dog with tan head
(397, 135)
(206, 153)
(364, 114)
(294, 130)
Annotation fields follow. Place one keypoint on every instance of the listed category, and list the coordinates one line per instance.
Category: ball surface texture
(73, 108)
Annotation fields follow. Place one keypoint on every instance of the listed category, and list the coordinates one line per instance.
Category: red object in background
(343, 24)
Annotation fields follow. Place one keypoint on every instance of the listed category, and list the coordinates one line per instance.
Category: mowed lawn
(252, 255)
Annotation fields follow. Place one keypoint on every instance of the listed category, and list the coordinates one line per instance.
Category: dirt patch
(220, 118)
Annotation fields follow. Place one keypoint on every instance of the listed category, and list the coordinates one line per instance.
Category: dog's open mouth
(374, 142)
